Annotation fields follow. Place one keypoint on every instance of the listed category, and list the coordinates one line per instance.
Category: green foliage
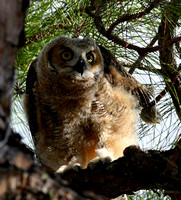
(49, 18)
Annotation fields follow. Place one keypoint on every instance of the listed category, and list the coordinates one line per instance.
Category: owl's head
(72, 61)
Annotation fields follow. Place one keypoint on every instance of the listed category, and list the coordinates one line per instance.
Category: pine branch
(168, 88)
(142, 51)
(130, 17)
(45, 33)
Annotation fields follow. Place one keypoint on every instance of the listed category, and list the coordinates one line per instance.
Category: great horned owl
(81, 103)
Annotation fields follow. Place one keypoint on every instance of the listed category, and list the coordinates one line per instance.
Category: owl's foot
(96, 162)
(65, 168)
(103, 157)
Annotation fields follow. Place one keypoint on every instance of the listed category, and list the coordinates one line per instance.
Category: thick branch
(136, 170)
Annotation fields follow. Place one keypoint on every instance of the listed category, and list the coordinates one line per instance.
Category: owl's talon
(67, 168)
(77, 167)
(91, 165)
(106, 160)
(98, 162)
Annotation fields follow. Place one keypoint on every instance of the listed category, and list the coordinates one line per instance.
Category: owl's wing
(117, 75)
(30, 100)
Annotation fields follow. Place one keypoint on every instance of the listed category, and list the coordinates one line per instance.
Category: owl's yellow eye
(66, 55)
(90, 57)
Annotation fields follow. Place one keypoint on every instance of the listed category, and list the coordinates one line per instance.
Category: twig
(167, 88)
(78, 30)
(43, 34)
(142, 56)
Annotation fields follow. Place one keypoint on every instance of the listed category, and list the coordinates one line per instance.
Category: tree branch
(100, 27)
(136, 170)
(130, 17)
(40, 36)
(142, 56)
(168, 88)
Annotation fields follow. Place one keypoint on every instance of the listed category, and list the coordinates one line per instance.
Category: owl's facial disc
(75, 63)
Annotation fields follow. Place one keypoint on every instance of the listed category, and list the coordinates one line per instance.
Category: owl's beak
(80, 66)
